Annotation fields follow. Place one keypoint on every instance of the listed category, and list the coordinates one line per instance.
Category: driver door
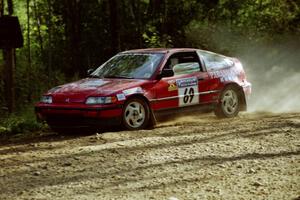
(182, 89)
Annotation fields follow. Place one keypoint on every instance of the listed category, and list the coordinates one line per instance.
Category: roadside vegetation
(21, 122)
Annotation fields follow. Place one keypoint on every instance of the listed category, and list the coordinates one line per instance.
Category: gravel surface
(253, 156)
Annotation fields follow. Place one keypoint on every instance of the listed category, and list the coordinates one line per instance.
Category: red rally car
(135, 87)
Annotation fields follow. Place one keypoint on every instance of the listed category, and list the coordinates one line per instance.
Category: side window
(214, 61)
(186, 68)
(184, 63)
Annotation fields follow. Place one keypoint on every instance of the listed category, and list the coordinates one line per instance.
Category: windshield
(137, 66)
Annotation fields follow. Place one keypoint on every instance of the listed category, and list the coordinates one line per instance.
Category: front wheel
(229, 104)
(136, 114)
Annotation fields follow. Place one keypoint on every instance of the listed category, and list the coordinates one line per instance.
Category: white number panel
(188, 91)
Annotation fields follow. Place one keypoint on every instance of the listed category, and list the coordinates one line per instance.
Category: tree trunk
(9, 77)
(139, 23)
(155, 8)
(28, 33)
(115, 26)
(136, 13)
(9, 69)
(38, 24)
(1, 8)
(10, 7)
(49, 24)
(73, 34)
(28, 70)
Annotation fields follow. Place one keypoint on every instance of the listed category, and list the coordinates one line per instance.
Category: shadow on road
(50, 136)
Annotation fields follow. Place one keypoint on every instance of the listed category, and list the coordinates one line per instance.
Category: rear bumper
(60, 116)
(247, 89)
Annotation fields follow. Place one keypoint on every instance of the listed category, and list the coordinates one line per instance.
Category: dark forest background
(65, 38)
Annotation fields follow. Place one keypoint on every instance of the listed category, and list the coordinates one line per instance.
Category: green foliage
(21, 122)
(232, 23)
(153, 39)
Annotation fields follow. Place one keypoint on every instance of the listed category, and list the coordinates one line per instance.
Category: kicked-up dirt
(253, 156)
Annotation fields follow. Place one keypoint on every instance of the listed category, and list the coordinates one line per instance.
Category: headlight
(101, 100)
(46, 99)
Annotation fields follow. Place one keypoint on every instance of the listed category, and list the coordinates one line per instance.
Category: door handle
(200, 79)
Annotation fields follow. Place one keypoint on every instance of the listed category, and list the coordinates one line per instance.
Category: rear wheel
(229, 103)
(136, 114)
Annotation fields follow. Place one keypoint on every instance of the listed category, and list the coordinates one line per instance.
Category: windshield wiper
(93, 76)
(118, 76)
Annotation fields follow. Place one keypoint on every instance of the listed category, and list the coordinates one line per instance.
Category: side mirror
(166, 73)
(89, 71)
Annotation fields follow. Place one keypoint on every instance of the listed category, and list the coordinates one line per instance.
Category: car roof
(160, 50)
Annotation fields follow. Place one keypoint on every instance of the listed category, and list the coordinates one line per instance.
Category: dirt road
(254, 156)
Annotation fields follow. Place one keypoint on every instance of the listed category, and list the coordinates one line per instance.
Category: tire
(136, 114)
(229, 103)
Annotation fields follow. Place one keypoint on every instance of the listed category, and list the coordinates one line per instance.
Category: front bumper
(79, 116)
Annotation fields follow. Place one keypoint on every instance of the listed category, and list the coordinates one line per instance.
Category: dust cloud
(274, 71)
(272, 65)
(271, 62)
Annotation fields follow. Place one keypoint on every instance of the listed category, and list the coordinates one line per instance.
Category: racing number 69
(188, 95)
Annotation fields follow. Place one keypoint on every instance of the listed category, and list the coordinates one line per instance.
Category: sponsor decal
(227, 78)
(188, 91)
(134, 90)
(121, 97)
(186, 82)
(172, 87)
(224, 75)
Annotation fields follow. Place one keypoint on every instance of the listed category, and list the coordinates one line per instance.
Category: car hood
(78, 91)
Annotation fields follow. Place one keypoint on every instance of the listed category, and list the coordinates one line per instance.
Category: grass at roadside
(20, 123)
